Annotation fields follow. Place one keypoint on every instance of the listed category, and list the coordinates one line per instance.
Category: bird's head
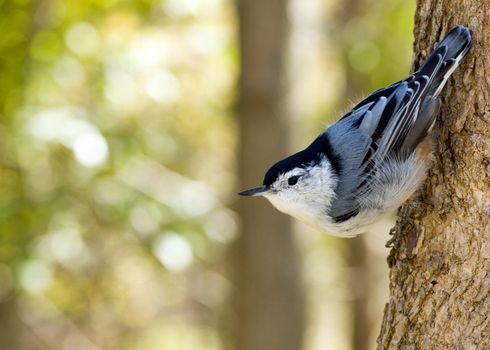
(301, 185)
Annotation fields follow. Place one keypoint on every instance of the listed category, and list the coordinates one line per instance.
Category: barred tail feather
(449, 52)
(438, 67)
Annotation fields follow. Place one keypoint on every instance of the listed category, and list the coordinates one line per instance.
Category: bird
(365, 166)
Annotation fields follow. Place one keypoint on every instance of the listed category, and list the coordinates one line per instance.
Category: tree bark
(440, 262)
(268, 296)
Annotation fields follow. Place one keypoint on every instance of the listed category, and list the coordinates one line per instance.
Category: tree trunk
(440, 262)
(268, 297)
(357, 254)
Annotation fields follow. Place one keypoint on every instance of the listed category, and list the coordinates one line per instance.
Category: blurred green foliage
(117, 157)
(116, 163)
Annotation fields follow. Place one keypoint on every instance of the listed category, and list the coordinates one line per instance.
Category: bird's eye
(293, 180)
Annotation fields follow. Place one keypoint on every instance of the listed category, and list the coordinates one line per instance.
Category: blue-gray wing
(390, 122)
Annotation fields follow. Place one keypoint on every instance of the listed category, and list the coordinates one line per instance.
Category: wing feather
(390, 122)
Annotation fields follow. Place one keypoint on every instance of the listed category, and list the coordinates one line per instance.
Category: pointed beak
(256, 191)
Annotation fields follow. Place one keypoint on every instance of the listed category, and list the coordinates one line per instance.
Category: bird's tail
(436, 71)
(445, 58)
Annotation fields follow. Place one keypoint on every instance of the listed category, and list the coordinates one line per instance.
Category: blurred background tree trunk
(357, 254)
(268, 296)
(439, 280)
(365, 266)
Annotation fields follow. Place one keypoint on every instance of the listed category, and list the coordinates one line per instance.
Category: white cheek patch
(309, 199)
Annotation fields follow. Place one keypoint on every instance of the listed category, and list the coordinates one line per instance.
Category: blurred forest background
(119, 133)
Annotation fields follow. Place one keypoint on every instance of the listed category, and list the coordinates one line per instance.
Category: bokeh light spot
(162, 86)
(173, 251)
(120, 87)
(221, 226)
(183, 8)
(82, 38)
(36, 276)
(68, 72)
(90, 149)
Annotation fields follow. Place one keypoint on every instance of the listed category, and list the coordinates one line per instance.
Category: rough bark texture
(268, 297)
(440, 262)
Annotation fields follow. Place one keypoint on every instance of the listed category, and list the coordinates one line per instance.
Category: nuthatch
(374, 158)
